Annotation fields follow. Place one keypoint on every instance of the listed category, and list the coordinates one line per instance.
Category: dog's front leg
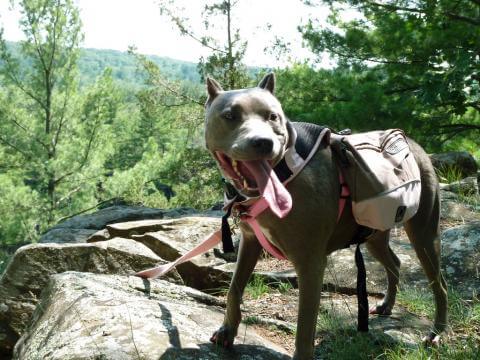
(310, 279)
(248, 254)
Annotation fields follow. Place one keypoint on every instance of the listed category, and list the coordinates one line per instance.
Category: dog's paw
(223, 337)
(383, 310)
(432, 340)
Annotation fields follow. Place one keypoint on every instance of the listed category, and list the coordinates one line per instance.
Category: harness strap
(251, 218)
(344, 194)
(261, 205)
(362, 296)
(227, 242)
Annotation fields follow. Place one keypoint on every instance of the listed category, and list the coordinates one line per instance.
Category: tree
(49, 133)
(225, 63)
(427, 49)
(342, 98)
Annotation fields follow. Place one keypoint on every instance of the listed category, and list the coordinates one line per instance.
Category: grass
(252, 320)
(257, 287)
(339, 340)
(284, 287)
(449, 174)
(452, 174)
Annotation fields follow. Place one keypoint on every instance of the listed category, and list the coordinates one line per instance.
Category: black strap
(362, 296)
(227, 242)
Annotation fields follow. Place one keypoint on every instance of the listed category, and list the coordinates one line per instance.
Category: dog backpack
(382, 174)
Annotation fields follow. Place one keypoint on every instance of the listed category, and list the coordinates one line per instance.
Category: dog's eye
(272, 116)
(227, 115)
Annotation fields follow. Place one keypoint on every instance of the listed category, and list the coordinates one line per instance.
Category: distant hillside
(92, 62)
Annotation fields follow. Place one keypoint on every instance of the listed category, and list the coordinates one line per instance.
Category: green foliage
(20, 211)
(284, 287)
(251, 320)
(257, 287)
(92, 63)
(162, 145)
(38, 105)
(416, 301)
(342, 98)
(422, 55)
(450, 174)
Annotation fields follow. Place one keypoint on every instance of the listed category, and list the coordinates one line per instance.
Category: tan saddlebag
(382, 174)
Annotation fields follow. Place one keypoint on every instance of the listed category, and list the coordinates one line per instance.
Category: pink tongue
(277, 197)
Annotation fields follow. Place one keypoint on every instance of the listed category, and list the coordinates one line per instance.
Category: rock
(178, 236)
(99, 220)
(460, 160)
(466, 187)
(129, 228)
(82, 227)
(461, 258)
(460, 264)
(100, 235)
(172, 238)
(452, 208)
(87, 316)
(65, 235)
(402, 327)
(337, 315)
(31, 266)
(341, 272)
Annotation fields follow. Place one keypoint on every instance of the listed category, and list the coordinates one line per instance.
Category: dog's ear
(268, 82)
(213, 89)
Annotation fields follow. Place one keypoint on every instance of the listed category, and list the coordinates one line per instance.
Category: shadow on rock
(238, 352)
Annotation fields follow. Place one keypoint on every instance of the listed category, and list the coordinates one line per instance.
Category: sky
(117, 24)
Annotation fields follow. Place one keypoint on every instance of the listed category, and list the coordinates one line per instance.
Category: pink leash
(212, 240)
(251, 218)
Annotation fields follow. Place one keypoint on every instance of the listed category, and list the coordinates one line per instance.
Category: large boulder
(80, 227)
(460, 264)
(341, 272)
(461, 161)
(30, 268)
(461, 258)
(171, 239)
(87, 316)
(453, 209)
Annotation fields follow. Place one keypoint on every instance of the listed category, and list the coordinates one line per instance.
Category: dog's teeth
(245, 183)
(235, 167)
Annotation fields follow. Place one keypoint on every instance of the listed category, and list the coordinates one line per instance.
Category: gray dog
(248, 134)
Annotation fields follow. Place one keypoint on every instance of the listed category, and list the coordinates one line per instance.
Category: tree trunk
(231, 65)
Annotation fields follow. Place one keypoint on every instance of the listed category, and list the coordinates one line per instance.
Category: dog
(247, 133)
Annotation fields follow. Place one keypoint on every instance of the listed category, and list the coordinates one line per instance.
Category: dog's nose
(263, 146)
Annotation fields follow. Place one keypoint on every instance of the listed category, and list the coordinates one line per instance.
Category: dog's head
(247, 133)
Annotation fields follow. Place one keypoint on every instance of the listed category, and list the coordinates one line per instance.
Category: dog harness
(307, 139)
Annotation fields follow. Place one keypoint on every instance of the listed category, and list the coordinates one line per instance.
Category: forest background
(82, 129)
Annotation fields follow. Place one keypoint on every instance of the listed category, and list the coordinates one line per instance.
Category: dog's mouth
(238, 172)
(257, 176)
